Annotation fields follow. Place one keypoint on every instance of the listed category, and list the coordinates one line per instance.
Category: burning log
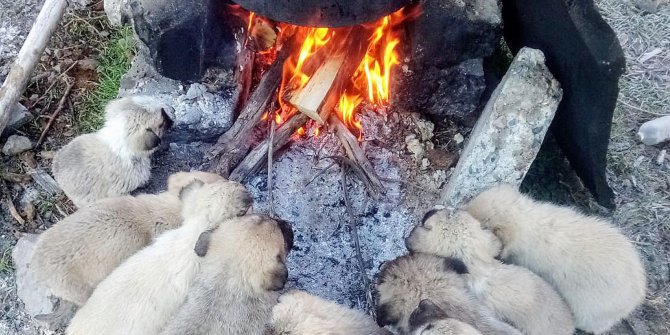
(347, 66)
(357, 156)
(309, 98)
(233, 146)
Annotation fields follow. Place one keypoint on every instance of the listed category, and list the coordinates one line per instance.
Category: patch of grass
(6, 265)
(113, 62)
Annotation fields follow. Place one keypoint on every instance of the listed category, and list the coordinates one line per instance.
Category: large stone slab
(35, 296)
(585, 56)
(509, 132)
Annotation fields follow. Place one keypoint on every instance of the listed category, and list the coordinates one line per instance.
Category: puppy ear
(455, 265)
(428, 215)
(278, 279)
(427, 312)
(384, 317)
(202, 245)
(167, 119)
(189, 189)
(151, 140)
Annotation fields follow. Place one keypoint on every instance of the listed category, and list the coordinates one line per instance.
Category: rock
(19, 116)
(510, 131)
(35, 296)
(195, 91)
(16, 144)
(454, 91)
(415, 147)
(584, 54)
(202, 119)
(184, 38)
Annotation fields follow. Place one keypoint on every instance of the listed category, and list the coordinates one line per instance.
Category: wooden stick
(309, 98)
(243, 77)
(270, 177)
(356, 154)
(233, 146)
(28, 57)
(54, 115)
(357, 243)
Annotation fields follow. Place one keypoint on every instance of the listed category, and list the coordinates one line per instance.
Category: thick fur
(141, 294)
(515, 294)
(116, 159)
(592, 265)
(407, 280)
(430, 319)
(300, 313)
(77, 253)
(243, 270)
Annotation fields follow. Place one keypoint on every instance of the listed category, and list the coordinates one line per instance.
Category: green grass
(113, 62)
(6, 265)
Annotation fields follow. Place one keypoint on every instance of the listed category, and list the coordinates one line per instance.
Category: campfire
(310, 78)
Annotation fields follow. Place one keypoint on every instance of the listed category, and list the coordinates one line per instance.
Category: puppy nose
(247, 199)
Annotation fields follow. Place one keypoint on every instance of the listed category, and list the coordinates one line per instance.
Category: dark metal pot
(323, 13)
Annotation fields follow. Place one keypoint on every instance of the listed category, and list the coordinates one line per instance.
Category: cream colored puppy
(430, 319)
(407, 280)
(141, 294)
(515, 294)
(78, 252)
(300, 313)
(238, 283)
(116, 159)
(592, 265)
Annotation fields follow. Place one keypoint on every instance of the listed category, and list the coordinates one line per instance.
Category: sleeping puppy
(116, 159)
(515, 294)
(430, 319)
(78, 252)
(141, 294)
(405, 281)
(242, 271)
(300, 313)
(593, 266)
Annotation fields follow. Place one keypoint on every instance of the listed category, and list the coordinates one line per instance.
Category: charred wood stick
(54, 115)
(29, 55)
(233, 146)
(255, 159)
(355, 153)
(243, 77)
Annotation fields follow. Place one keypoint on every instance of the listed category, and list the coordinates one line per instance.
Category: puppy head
(405, 281)
(253, 250)
(430, 319)
(177, 181)
(456, 235)
(214, 202)
(487, 206)
(145, 120)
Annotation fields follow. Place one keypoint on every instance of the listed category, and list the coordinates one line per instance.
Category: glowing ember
(371, 80)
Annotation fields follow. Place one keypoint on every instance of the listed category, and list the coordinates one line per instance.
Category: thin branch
(270, 159)
(357, 243)
(54, 115)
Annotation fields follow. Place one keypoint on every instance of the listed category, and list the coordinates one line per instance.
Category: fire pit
(347, 122)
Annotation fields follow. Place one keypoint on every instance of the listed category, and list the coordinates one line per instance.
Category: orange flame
(346, 108)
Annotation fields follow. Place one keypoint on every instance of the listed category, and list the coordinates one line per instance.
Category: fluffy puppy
(300, 313)
(405, 281)
(592, 265)
(116, 159)
(430, 319)
(141, 294)
(512, 292)
(238, 283)
(77, 253)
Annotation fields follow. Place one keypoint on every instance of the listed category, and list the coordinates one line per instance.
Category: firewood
(233, 146)
(355, 153)
(29, 55)
(309, 98)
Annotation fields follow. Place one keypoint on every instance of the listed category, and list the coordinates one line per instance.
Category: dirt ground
(641, 184)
